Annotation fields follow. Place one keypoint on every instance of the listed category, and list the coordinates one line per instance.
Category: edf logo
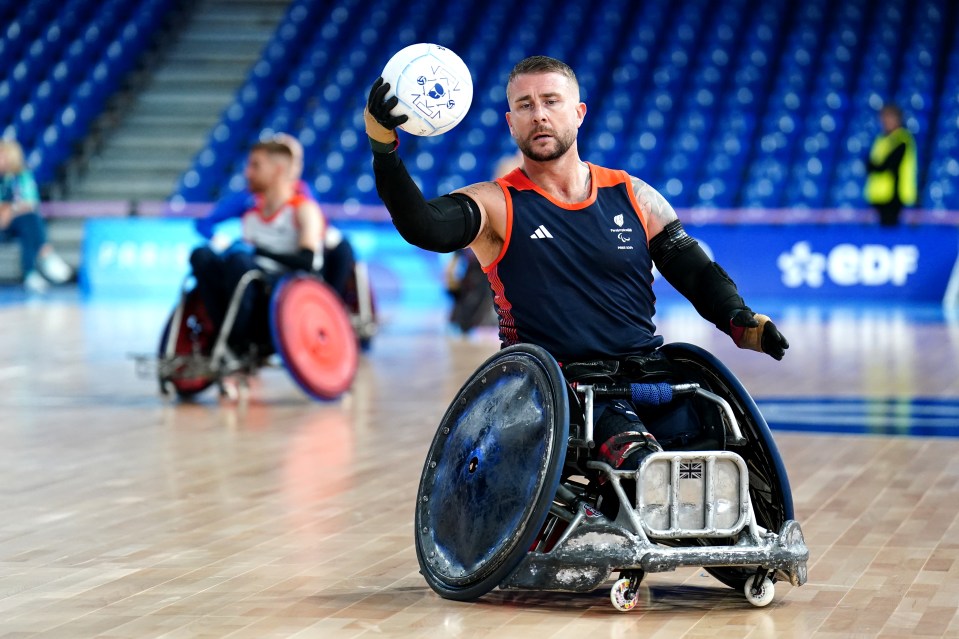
(849, 265)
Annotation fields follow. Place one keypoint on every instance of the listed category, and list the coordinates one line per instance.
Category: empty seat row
(61, 63)
(746, 103)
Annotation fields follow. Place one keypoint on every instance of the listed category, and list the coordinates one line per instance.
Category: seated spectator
(20, 221)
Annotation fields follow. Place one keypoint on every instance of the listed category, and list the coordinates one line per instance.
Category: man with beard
(282, 232)
(568, 246)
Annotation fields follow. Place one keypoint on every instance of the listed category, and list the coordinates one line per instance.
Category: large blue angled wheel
(768, 484)
(492, 472)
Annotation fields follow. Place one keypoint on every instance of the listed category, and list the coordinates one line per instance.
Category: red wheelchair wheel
(194, 338)
(313, 335)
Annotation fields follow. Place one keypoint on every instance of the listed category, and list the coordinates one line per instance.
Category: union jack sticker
(690, 470)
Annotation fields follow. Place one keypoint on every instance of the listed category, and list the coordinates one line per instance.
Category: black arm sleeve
(302, 260)
(443, 224)
(686, 266)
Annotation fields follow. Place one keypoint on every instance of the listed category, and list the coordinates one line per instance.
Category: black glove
(773, 342)
(757, 332)
(380, 123)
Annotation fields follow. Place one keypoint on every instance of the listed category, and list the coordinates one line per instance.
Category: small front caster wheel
(762, 595)
(625, 594)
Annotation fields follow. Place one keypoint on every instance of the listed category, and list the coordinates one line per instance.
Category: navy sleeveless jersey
(575, 279)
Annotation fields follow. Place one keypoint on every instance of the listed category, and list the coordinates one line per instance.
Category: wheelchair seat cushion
(654, 365)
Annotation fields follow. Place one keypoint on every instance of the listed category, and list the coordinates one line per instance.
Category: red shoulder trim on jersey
(298, 198)
(636, 207)
(518, 180)
(608, 177)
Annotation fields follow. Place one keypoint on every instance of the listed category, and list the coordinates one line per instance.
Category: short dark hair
(542, 64)
(892, 109)
(272, 147)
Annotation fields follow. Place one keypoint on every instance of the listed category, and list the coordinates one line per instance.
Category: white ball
(433, 85)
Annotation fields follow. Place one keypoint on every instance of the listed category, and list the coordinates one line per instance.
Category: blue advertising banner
(796, 262)
(833, 262)
(149, 257)
(136, 257)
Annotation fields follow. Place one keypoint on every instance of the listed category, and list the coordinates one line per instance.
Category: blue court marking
(920, 417)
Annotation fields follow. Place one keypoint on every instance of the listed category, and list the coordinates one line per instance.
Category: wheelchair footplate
(682, 497)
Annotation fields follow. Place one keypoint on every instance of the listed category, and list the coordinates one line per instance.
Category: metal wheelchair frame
(549, 528)
(222, 362)
(572, 563)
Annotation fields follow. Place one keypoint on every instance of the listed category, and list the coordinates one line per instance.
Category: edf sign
(846, 263)
(849, 265)
(872, 264)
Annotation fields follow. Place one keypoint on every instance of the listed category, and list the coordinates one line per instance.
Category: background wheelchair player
(568, 248)
(240, 305)
(282, 232)
(339, 267)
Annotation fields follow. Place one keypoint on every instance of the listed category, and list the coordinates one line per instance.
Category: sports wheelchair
(513, 493)
(305, 323)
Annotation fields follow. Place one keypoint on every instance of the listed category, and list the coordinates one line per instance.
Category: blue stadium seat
(59, 61)
(720, 104)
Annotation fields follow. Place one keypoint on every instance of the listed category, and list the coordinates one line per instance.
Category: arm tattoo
(474, 191)
(481, 192)
(651, 204)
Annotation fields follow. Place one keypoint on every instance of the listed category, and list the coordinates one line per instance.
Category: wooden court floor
(125, 516)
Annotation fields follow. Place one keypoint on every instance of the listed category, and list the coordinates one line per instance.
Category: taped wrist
(443, 224)
(686, 266)
(750, 337)
(383, 147)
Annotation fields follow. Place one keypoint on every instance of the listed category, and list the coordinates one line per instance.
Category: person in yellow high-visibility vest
(891, 168)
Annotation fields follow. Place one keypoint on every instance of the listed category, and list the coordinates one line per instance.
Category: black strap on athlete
(686, 266)
(302, 260)
(443, 224)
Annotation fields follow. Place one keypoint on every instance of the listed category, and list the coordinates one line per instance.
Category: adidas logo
(541, 233)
